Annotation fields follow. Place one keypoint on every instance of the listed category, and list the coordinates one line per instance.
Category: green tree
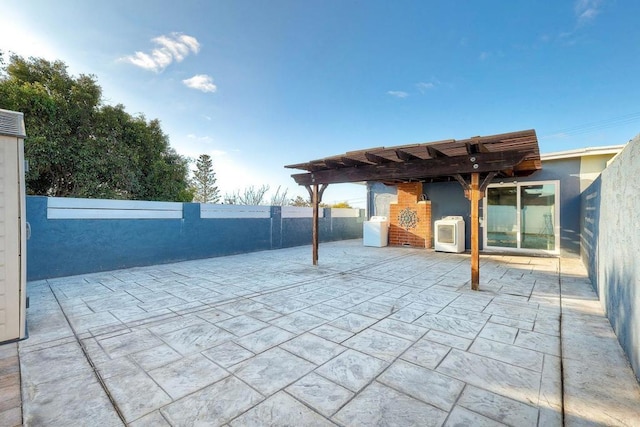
(300, 202)
(77, 147)
(204, 181)
(342, 205)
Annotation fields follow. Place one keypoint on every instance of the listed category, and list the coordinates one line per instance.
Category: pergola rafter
(473, 162)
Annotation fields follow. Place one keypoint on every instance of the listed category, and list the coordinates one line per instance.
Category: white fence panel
(234, 211)
(300, 212)
(75, 208)
(345, 213)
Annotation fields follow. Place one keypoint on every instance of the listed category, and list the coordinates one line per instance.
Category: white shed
(13, 273)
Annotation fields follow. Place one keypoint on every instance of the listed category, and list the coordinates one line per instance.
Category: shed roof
(507, 154)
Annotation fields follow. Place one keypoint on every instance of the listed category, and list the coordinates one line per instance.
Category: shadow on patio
(372, 336)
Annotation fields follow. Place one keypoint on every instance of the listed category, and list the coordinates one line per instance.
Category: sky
(261, 84)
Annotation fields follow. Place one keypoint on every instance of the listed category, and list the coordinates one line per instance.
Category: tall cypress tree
(204, 181)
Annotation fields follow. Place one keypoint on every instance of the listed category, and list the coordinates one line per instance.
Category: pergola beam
(406, 156)
(414, 170)
(434, 153)
(474, 146)
(353, 162)
(465, 185)
(379, 160)
(333, 163)
(486, 181)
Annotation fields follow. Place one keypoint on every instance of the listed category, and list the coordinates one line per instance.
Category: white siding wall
(300, 212)
(73, 208)
(345, 213)
(234, 211)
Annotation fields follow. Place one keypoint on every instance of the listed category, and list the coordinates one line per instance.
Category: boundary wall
(71, 236)
(610, 243)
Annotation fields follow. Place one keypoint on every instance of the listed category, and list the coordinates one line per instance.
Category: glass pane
(538, 213)
(502, 217)
(445, 233)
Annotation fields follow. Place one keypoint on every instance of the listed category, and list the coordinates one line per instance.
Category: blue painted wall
(64, 247)
(590, 218)
(447, 199)
(374, 188)
(297, 231)
(611, 244)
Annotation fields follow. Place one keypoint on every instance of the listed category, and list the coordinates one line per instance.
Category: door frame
(556, 219)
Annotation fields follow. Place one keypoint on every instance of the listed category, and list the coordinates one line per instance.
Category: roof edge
(582, 152)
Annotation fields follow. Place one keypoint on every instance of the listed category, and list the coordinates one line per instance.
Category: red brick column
(416, 230)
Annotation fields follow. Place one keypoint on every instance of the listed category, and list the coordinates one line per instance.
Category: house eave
(583, 152)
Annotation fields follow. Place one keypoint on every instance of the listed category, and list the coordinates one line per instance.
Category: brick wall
(410, 218)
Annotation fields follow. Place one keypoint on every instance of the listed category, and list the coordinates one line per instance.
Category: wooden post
(315, 194)
(475, 231)
(315, 202)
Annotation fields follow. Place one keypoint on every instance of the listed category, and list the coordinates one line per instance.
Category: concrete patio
(372, 336)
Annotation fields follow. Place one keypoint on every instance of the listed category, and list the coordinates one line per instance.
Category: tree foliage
(279, 198)
(344, 204)
(251, 195)
(78, 147)
(300, 201)
(204, 181)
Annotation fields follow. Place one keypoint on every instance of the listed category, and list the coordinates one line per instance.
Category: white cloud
(398, 93)
(586, 10)
(170, 48)
(201, 82)
(423, 87)
(484, 55)
(197, 138)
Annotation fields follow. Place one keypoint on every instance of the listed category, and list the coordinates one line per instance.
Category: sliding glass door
(522, 216)
(502, 217)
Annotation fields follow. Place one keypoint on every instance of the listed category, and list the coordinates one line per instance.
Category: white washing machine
(449, 234)
(375, 232)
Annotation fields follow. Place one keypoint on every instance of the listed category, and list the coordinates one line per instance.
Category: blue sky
(260, 84)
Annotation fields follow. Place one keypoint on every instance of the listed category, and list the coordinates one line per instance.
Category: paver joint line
(116, 408)
(562, 391)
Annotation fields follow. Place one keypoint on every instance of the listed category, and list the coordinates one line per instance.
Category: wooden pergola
(473, 162)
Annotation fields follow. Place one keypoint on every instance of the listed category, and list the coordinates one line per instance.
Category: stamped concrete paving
(373, 336)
